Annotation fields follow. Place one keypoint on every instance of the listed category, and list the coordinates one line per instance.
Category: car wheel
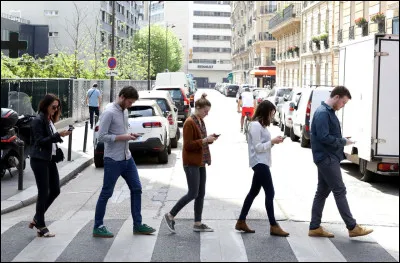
(98, 160)
(304, 142)
(368, 176)
(179, 134)
(293, 136)
(174, 141)
(169, 147)
(163, 156)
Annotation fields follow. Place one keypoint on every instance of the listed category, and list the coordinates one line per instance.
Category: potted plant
(361, 22)
(316, 40)
(324, 37)
(378, 17)
(296, 49)
(290, 49)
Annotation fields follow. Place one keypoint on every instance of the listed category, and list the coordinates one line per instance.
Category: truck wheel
(98, 160)
(178, 133)
(174, 141)
(368, 176)
(293, 136)
(304, 142)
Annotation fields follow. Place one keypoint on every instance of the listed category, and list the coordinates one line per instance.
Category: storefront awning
(260, 73)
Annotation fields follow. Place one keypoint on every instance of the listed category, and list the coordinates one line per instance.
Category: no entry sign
(112, 63)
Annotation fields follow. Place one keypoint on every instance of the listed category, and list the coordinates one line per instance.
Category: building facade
(36, 35)
(253, 46)
(204, 30)
(317, 33)
(81, 22)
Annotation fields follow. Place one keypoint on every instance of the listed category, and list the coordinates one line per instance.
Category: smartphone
(216, 135)
(71, 128)
(284, 137)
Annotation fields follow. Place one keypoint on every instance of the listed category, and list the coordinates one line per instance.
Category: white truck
(369, 68)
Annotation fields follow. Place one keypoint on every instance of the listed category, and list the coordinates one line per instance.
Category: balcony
(289, 21)
(351, 32)
(340, 36)
(263, 36)
(267, 9)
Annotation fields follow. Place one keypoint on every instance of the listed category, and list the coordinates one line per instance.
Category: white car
(170, 111)
(287, 110)
(146, 118)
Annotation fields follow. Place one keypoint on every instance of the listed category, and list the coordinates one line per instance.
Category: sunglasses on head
(54, 107)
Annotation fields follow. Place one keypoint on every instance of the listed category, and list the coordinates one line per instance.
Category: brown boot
(276, 230)
(359, 231)
(242, 226)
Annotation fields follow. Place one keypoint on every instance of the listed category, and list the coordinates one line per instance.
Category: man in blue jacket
(327, 146)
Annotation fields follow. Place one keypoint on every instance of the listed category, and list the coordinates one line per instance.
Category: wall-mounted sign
(205, 66)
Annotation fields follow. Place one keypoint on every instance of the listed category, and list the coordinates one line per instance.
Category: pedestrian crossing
(74, 242)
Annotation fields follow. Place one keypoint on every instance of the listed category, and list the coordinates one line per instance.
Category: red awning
(260, 73)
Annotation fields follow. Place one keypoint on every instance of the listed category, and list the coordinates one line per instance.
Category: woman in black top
(43, 160)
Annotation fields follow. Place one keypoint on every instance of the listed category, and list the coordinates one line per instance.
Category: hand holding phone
(284, 137)
(71, 128)
(216, 135)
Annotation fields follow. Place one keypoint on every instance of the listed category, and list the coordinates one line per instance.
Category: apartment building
(92, 19)
(204, 30)
(253, 46)
(310, 55)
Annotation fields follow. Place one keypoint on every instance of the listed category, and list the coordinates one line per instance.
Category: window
(53, 34)
(395, 25)
(5, 35)
(210, 13)
(304, 75)
(319, 24)
(326, 73)
(103, 16)
(51, 12)
(273, 54)
(102, 36)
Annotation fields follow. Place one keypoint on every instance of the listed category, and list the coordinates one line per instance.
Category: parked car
(231, 90)
(170, 111)
(146, 118)
(180, 99)
(310, 99)
(261, 95)
(276, 97)
(287, 110)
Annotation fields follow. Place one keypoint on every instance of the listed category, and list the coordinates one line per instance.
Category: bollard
(69, 146)
(85, 138)
(21, 153)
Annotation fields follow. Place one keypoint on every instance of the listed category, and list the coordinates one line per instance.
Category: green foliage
(158, 48)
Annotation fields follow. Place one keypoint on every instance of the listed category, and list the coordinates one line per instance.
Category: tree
(158, 48)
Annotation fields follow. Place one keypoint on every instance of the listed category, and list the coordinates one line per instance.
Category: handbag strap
(92, 93)
(52, 133)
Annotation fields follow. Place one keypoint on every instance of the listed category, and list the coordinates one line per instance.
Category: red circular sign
(112, 63)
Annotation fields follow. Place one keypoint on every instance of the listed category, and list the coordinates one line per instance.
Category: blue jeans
(112, 170)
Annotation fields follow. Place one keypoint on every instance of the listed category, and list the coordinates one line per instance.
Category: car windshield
(176, 94)
(162, 103)
(282, 92)
(141, 111)
(233, 87)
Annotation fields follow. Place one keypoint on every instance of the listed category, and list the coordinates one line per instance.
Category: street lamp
(166, 46)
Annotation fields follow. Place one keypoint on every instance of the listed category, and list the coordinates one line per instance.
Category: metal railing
(15, 18)
(351, 32)
(293, 10)
(340, 36)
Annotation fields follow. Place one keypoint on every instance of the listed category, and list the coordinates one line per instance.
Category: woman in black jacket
(43, 160)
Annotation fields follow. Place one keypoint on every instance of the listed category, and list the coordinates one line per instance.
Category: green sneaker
(102, 232)
(143, 230)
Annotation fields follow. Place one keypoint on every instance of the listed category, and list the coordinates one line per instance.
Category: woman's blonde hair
(202, 102)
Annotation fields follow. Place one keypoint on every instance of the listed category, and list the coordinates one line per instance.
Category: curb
(64, 178)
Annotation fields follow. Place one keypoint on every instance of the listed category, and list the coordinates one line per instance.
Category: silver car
(287, 110)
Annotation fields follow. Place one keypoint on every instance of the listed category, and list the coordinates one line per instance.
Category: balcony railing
(340, 35)
(267, 9)
(265, 36)
(293, 10)
(351, 32)
(304, 47)
(15, 18)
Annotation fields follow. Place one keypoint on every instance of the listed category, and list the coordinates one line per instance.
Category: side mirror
(285, 97)
(166, 113)
(175, 109)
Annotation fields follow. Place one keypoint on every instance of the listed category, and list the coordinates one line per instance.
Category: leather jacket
(43, 138)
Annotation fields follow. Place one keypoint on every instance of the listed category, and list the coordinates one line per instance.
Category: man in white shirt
(93, 100)
(248, 103)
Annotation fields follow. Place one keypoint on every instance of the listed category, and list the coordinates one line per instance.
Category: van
(310, 99)
(174, 79)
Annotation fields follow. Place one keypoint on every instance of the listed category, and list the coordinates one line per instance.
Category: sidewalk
(12, 198)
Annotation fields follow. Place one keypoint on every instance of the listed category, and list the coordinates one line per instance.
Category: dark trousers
(93, 110)
(330, 179)
(48, 184)
(261, 178)
(196, 180)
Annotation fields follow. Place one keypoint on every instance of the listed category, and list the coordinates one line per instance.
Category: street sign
(112, 63)
(111, 73)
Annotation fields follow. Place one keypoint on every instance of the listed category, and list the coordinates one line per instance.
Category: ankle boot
(242, 226)
(276, 230)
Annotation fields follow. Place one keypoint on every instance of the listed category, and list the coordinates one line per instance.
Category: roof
(153, 94)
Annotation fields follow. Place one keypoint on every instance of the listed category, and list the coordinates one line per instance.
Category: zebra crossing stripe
(224, 244)
(133, 248)
(40, 249)
(310, 249)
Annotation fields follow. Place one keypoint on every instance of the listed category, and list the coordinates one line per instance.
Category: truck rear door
(387, 114)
